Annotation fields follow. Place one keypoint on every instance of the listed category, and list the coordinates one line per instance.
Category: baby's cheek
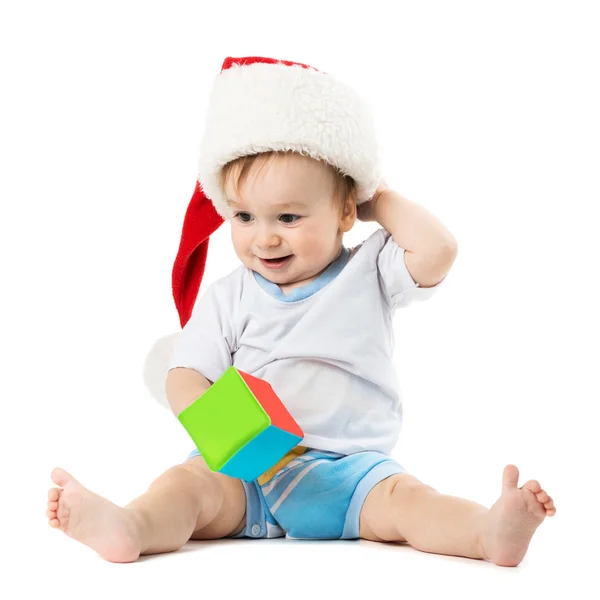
(312, 238)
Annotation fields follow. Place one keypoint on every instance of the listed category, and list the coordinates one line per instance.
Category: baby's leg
(402, 509)
(186, 502)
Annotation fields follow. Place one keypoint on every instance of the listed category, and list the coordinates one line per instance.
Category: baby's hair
(345, 189)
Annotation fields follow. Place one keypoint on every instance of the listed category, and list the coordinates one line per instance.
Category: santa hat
(259, 105)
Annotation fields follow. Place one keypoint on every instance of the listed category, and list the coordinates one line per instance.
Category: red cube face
(272, 405)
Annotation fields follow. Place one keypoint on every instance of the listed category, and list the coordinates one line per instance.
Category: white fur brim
(261, 107)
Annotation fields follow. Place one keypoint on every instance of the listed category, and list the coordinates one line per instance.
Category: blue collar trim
(330, 273)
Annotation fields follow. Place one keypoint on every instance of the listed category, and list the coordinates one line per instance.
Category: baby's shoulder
(232, 278)
(373, 244)
(227, 288)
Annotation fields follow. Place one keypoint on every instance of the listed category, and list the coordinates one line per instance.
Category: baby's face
(287, 210)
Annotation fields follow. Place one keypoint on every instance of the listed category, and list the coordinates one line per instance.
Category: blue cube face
(260, 454)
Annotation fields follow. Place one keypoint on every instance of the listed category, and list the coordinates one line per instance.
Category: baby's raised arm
(184, 386)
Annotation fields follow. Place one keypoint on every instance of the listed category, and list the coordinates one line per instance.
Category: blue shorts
(314, 495)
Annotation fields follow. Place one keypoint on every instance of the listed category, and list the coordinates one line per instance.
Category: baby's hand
(366, 210)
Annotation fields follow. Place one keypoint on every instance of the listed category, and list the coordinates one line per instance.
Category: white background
(487, 114)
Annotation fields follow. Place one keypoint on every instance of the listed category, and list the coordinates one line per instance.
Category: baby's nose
(267, 239)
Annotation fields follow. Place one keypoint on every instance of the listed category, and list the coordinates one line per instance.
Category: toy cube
(240, 426)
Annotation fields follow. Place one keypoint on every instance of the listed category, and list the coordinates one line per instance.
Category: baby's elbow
(450, 247)
(447, 254)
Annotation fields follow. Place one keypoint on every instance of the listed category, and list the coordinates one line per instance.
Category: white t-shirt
(327, 355)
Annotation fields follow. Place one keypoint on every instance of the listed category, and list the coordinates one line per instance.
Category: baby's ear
(348, 217)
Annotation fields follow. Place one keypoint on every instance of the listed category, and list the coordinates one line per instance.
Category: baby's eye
(244, 217)
(289, 219)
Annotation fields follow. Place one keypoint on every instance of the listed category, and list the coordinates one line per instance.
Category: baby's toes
(549, 506)
(52, 518)
(542, 497)
(546, 501)
(534, 506)
(533, 486)
(63, 513)
(52, 507)
(57, 511)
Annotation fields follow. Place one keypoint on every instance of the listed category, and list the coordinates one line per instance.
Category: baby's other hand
(366, 211)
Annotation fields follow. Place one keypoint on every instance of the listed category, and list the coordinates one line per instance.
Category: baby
(289, 160)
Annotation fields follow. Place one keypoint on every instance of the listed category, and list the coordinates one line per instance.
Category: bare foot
(512, 521)
(92, 520)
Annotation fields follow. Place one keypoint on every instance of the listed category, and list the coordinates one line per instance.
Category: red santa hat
(258, 105)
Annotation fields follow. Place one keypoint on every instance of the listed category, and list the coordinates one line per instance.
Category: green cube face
(224, 419)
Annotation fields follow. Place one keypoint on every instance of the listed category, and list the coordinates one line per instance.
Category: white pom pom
(156, 367)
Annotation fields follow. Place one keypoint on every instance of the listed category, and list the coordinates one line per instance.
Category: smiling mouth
(276, 263)
(276, 259)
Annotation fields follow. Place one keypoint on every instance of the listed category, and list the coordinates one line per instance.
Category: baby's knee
(406, 488)
(191, 477)
(197, 466)
(196, 471)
